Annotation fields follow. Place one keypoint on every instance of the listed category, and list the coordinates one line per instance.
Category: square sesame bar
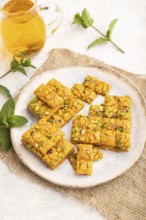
(60, 89)
(49, 97)
(83, 93)
(58, 154)
(39, 108)
(96, 110)
(84, 159)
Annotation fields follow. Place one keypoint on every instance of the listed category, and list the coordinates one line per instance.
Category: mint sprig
(84, 19)
(19, 65)
(8, 120)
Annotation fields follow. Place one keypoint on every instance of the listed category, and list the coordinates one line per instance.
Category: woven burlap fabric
(123, 198)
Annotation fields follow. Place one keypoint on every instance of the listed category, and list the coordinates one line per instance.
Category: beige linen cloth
(123, 198)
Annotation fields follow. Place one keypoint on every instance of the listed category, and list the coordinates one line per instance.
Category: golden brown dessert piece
(39, 108)
(84, 159)
(99, 87)
(72, 106)
(83, 93)
(123, 125)
(108, 139)
(124, 107)
(59, 89)
(86, 130)
(95, 123)
(58, 154)
(124, 113)
(110, 107)
(42, 137)
(91, 82)
(48, 128)
(80, 121)
(124, 101)
(73, 160)
(102, 88)
(49, 97)
(109, 123)
(78, 135)
(79, 125)
(92, 137)
(97, 155)
(37, 142)
(96, 110)
(123, 141)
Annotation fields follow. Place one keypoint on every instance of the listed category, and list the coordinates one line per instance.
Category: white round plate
(113, 164)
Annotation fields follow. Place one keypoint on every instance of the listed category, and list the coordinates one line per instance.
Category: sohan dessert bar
(86, 130)
(124, 107)
(96, 155)
(110, 107)
(79, 125)
(83, 93)
(123, 141)
(72, 106)
(39, 108)
(109, 123)
(61, 90)
(84, 159)
(123, 125)
(58, 154)
(37, 142)
(108, 139)
(99, 87)
(96, 110)
(42, 137)
(49, 97)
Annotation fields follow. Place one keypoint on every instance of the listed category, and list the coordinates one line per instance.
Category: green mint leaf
(5, 91)
(21, 70)
(77, 19)
(87, 20)
(14, 65)
(8, 107)
(3, 120)
(5, 140)
(98, 41)
(84, 20)
(17, 121)
(111, 27)
(27, 63)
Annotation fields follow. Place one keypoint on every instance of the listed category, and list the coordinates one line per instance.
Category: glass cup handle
(52, 15)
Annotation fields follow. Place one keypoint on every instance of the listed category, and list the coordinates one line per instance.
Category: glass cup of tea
(22, 26)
